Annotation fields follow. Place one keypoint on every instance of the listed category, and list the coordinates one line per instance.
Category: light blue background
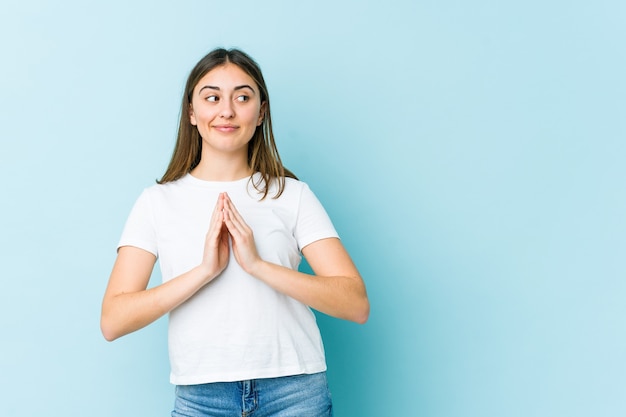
(471, 155)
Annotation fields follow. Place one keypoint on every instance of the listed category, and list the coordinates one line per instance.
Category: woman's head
(262, 152)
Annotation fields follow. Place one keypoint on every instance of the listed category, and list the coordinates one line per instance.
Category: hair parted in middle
(263, 154)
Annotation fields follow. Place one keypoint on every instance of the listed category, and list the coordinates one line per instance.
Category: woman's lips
(225, 128)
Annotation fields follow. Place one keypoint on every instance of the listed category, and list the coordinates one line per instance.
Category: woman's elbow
(365, 315)
(362, 313)
(108, 330)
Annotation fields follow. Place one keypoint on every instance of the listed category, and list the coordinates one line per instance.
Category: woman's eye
(242, 99)
(211, 98)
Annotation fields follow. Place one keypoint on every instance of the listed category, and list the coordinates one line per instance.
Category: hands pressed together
(227, 222)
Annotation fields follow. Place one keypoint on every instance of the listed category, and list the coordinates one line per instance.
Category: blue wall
(471, 155)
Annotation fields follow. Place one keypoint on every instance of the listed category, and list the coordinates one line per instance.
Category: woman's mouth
(225, 128)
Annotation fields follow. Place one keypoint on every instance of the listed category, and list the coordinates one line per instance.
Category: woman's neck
(221, 169)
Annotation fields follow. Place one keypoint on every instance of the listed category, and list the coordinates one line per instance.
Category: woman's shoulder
(290, 186)
(296, 190)
(165, 188)
(293, 182)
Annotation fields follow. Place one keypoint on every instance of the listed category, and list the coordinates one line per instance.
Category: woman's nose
(227, 111)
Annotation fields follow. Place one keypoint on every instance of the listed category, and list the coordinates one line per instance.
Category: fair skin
(226, 109)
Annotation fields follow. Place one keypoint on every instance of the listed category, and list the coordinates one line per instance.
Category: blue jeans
(289, 396)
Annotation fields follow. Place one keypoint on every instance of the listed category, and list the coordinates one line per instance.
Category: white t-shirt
(236, 327)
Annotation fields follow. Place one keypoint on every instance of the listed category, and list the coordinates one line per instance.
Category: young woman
(229, 224)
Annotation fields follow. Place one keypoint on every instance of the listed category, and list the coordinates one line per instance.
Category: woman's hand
(244, 247)
(216, 252)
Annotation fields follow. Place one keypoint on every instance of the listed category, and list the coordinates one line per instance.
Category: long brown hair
(262, 152)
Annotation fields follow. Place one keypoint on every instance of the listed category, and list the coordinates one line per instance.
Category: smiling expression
(226, 108)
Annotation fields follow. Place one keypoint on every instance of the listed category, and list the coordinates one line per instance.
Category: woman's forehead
(225, 76)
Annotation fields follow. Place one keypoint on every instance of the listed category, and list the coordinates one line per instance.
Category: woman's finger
(233, 218)
(219, 205)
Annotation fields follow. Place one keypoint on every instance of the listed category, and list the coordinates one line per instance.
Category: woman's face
(226, 108)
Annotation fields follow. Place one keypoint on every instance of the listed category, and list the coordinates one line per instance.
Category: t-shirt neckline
(190, 179)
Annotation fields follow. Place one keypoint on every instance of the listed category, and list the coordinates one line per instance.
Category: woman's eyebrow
(239, 87)
(213, 87)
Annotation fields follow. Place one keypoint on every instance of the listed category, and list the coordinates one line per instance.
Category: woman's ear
(262, 113)
(192, 117)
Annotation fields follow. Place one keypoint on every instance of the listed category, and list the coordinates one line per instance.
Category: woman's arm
(128, 306)
(336, 289)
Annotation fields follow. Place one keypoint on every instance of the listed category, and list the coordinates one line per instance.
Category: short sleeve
(139, 230)
(312, 222)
